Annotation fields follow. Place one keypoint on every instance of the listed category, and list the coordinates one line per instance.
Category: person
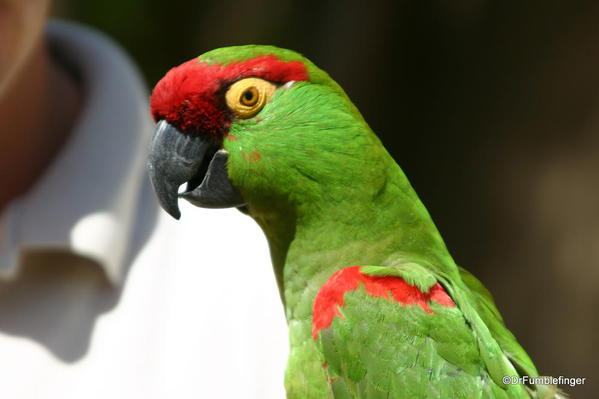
(101, 293)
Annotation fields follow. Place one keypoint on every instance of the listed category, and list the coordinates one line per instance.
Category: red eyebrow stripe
(187, 95)
(267, 67)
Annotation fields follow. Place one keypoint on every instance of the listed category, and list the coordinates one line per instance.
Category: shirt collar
(85, 202)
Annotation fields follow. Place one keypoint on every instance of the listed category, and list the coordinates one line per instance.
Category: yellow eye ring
(248, 96)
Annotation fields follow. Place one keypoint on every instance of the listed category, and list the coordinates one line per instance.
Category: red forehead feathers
(189, 95)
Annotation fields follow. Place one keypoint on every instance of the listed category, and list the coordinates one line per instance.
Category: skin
(328, 196)
(35, 125)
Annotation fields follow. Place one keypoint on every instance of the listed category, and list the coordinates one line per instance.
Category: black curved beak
(177, 158)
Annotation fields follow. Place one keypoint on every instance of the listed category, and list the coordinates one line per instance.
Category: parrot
(375, 305)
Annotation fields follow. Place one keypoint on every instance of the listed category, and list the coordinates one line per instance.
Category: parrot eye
(248, 96)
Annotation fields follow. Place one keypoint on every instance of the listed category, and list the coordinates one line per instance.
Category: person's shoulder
(100, 169)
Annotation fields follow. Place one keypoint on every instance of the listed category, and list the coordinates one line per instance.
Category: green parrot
(375, 304)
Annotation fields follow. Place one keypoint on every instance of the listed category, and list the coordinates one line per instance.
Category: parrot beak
(177, 158)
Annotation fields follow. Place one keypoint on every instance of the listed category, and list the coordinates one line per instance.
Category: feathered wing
(485, 306)
(381, 337)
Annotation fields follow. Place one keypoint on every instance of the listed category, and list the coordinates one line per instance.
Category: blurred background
(490, 107)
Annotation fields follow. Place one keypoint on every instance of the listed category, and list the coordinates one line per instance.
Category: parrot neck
(366, 225)
(375, 220)
(381, 225)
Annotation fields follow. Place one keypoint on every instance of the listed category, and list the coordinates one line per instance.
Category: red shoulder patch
(330, 296)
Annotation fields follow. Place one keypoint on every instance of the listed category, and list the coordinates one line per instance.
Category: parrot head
(257, 127)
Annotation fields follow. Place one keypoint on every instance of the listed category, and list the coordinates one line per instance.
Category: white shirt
(102, 294)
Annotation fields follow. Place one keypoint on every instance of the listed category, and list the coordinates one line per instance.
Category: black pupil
(248, 95)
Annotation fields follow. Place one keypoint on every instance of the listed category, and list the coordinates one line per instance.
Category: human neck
(37, 111)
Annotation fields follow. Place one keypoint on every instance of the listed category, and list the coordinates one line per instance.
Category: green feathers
(329, 196)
